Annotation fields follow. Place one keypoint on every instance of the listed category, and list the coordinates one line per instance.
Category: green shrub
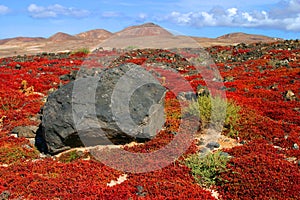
(70, 156)
(82, 50)
(206, 170)
(225, 113)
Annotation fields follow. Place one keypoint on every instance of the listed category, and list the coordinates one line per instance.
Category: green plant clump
(82, 50)
(70, 156)
(206, 170)
(225, 113)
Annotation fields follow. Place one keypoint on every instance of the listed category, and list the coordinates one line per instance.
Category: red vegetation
(256, 77)
(259, 171)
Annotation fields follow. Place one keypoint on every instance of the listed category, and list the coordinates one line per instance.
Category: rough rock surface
(117, 105)
(25, 131)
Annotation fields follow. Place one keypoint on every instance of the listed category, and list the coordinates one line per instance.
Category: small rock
(286, 137)
(18, 66)
(296, 109)
(289, 95)
(25, 131)
(202, 90)
(213, 145)
(291, 159)
(225, 154)
(65, 77)
(228, 79)
(274, 87)
(186, 96)
(203, 151)
(228, 67)
(243, 142)
(140, 191)
(296, 146)
(278, 147)
(5, 195)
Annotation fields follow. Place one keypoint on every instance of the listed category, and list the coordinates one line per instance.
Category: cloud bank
(285, 16)
(54, 11)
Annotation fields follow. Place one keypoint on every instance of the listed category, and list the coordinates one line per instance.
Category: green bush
(82, 50)
(206, 170)
(70, 156)
(224, 114)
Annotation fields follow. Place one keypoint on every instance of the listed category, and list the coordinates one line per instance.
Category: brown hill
(234, 38)
(148, 29)
(94, 34)
(21, 40)
(246, 38)
(147, 35)
(61, 37)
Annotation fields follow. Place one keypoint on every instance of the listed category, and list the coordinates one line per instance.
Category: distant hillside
(148, 29)
(21, 39)
(94, 34)
(142, 36)
(246, 38)
(61, 37)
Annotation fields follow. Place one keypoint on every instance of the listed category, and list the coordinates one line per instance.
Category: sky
(203, 18)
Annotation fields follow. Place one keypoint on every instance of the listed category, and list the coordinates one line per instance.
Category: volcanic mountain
(61, 37)
(100, 34)
(148, 29)
(142, 36)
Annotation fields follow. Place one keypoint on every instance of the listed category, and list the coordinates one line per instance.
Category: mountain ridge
(89, 39)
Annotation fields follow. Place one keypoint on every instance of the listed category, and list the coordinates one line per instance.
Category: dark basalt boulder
(117, 105)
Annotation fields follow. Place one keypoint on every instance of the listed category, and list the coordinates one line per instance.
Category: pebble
(212, 145)
(225, 154)
(296, 146)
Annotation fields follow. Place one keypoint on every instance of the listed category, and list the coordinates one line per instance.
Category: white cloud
(3, 10)
(54, 11)
(232, 11)
(286, 16)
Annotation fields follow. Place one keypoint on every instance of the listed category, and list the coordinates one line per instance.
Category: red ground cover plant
(48, 178)
(255, 76)
(259, 171)
(15, 150)
(41, 73)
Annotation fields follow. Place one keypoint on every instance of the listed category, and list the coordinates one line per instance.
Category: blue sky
(205, 18)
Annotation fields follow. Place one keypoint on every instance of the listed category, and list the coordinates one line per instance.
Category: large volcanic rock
(117, 105)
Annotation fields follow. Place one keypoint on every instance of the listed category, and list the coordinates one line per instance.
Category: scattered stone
(213, 145)
(274, 87)
(225, 154)
(25, 131)
(228, 79)
(289, 95)
(5, 195)
(140, 191)
(243, 142)
(202, 90)
(296, 146)
(278, 147)
(18, 66)
(296, 109)
(120, 180)
(203, 151)
(186, 96)
(291, 159)
(258, 87)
